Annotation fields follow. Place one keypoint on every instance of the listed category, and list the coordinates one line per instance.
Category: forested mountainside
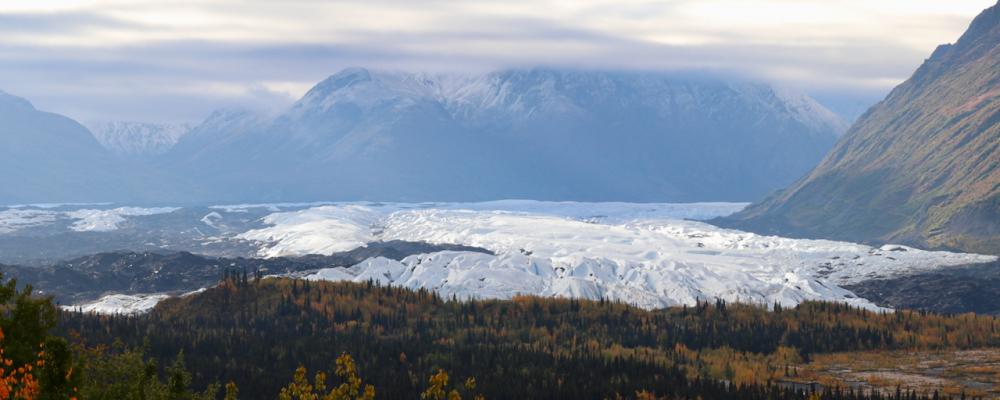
(921, 167)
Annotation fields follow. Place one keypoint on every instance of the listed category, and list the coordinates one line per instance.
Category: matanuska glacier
(650, 255)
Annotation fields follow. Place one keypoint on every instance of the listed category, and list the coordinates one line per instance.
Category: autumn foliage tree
(33, 363)
(351, 387)
(438, 388)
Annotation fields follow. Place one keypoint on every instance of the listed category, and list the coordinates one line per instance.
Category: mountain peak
(8, 100)
(982, 36)
(345, 78)
(986, 23)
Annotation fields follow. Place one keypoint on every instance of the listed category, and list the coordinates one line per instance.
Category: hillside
(46, 157)
(539, 134)
(921, 167)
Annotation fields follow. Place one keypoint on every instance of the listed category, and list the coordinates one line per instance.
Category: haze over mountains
(921, 167)
(48, 157)
(540, 133)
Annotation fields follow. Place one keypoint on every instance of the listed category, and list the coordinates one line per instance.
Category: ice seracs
(651, 255)
(634, 253)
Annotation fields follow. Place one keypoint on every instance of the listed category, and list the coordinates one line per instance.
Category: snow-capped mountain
(133, 139)
(540, 133)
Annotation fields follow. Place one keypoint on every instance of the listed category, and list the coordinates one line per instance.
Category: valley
(648, 255)
(648, 200)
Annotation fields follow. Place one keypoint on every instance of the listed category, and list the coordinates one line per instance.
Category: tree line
(258, 332)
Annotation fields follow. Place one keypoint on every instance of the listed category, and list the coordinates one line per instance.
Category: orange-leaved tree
(33, 363)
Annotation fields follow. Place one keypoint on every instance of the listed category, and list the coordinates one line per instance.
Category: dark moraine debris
(88, 278)
(972, 288)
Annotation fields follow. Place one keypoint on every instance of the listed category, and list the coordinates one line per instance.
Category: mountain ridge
(398, 136)
(77, 168)
(538, 133)
(921, 167)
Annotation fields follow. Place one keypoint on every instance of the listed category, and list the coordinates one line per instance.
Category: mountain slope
(46, 157)
(542, 134)
(922, 166)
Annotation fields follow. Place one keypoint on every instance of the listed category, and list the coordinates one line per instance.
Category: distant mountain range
(921, 167)
(538, 133)
(137, 139)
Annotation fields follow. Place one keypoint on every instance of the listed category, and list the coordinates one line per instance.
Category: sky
(176, 61)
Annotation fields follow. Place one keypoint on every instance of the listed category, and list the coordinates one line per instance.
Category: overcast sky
(161, 60)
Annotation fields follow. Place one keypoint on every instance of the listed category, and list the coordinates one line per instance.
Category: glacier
(17, 217)
(651, 255)
(642, 254)
(123, 304)
(91, 220)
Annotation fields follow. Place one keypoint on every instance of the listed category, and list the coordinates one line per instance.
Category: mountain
(920, 167)
(47, 157)
(136, 139)
(540, 133)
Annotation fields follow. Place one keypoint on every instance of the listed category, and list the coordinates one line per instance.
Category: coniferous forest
(266, 338)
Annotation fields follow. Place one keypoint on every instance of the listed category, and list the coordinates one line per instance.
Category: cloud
(179, 59)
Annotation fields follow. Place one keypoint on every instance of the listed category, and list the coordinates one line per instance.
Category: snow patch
(211, 218)
(124, 304)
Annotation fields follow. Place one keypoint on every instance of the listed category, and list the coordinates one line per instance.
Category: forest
(274, 338)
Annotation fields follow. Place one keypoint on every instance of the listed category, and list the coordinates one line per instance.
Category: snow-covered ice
(92, 220)
(15, 219)
(320, 230)
(651, 255)
(120, 304)
(637, 253)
